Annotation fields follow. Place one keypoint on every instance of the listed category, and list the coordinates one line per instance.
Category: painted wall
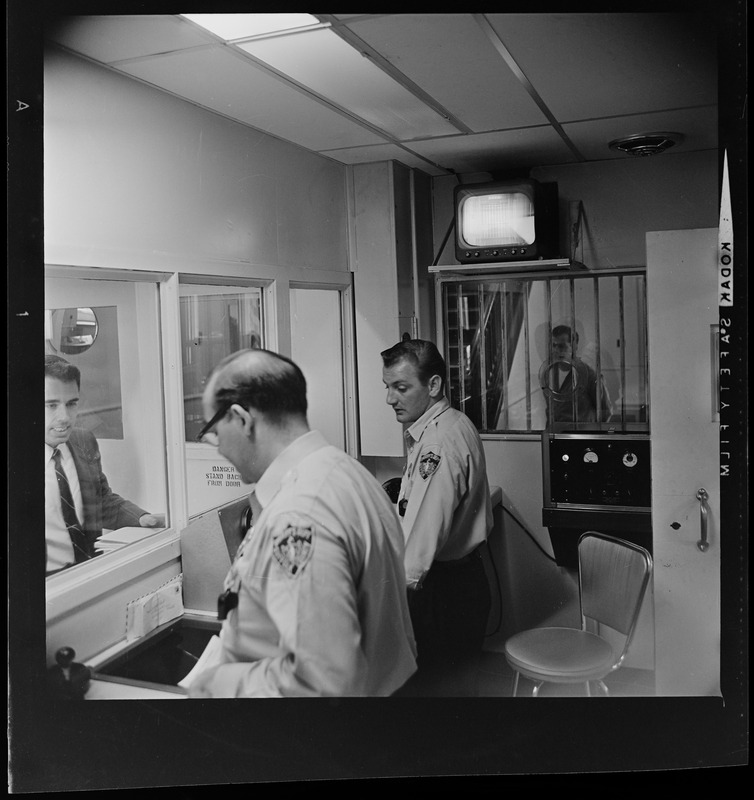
(157, 180)
(622, 200)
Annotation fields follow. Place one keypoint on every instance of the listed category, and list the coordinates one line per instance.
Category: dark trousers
(449, 616)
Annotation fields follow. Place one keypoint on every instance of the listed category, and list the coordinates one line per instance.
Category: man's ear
(435, 386)
(246, 417)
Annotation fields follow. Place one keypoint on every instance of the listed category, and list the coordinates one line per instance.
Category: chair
(613, 579)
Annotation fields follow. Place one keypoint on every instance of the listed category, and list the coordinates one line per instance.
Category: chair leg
(515, 684)
(604, 688)
(588, 690)
(535, 690)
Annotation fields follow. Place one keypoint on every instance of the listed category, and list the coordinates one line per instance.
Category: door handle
(702, 496)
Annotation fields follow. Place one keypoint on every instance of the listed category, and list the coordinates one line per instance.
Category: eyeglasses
(206, 435)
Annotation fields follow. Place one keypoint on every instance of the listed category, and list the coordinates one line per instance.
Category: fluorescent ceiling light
(244, 26)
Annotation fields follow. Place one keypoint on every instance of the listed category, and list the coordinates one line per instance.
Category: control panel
(490, 254)
(601, 470)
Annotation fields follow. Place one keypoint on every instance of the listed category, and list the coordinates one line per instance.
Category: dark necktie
(81, 547)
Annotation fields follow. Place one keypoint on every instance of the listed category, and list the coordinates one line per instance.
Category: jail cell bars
(497, 333)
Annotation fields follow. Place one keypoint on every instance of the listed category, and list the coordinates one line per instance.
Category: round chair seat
(559, 655)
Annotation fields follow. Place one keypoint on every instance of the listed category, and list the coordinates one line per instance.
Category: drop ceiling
(444, 93)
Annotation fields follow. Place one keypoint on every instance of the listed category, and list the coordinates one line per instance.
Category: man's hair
(559, 330)
(62, 370)
(419, 352)
(260, 379)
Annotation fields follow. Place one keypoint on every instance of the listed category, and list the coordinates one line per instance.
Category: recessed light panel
(244, 26)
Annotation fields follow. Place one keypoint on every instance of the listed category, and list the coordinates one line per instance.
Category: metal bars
(497, 334)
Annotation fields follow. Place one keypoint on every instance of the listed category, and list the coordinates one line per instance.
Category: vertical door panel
(681, 299)
(317, 347)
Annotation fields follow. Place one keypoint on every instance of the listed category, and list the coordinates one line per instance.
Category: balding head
(271, 384)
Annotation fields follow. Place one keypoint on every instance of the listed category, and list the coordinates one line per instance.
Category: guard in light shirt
(444, 506)
(315, 601)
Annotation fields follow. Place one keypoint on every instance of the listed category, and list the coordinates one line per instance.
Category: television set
(511, 220)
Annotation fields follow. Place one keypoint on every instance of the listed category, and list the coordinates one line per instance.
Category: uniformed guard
(444, 506)
(314, 603)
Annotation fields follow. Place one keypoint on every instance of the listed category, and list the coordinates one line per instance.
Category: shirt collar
(416, 430)
(267, 486)
(48, 450)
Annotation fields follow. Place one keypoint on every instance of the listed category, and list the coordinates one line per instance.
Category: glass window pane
(525, 352)
(108, 331)
(215, 322)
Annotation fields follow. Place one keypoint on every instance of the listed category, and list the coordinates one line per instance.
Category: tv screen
(506, 221)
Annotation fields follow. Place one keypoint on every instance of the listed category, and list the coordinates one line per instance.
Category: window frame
(485, 273)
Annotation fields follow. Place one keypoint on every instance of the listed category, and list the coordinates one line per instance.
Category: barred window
(527, 353)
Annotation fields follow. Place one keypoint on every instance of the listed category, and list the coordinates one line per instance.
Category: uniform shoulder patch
(428, 464)
(292, 548)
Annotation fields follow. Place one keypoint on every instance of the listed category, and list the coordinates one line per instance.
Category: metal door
(682, 315)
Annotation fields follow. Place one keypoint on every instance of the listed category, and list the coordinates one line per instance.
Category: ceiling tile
(111, 39)
(451, 58)
(499, 151)
(599, 76)
(600, 65)
(385, 152)
(698, 127)
(225, 82)
(327, 65)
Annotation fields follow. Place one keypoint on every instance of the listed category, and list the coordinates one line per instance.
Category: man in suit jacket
(573, 390)
(85, 489)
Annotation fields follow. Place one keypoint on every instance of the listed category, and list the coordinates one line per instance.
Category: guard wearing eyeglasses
(315, 601)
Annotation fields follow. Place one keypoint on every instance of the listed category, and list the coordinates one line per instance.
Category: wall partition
(145, 343)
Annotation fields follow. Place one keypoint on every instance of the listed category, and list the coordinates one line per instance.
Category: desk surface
(110, 690)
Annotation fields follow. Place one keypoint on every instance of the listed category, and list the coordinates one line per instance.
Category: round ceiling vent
(646, 144)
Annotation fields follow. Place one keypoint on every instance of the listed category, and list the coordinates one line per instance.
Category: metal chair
(613, 579)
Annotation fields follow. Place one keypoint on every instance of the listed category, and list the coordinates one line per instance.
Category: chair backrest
(613, 579)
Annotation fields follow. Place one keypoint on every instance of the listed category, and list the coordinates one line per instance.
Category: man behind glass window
(79, 502)
(315, 600)
(445, 509)
(573, 391)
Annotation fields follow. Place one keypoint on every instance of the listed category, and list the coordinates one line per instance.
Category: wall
(136, 178)
(622, 199)
(391, 230)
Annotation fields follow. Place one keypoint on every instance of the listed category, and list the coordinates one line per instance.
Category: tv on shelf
(511, 220)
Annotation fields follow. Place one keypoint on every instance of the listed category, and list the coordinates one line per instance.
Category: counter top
(112, 690)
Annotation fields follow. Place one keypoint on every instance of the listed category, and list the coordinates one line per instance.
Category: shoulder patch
(428, 464)
(292, 548)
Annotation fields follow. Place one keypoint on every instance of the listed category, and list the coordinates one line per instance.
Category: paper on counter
(209, 658)
(149, 612)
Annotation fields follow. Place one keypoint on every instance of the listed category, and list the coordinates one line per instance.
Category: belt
(476, 553)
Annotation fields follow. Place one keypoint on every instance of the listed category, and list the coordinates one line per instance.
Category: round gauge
(590, 457)
(630, 459)
(565, 456)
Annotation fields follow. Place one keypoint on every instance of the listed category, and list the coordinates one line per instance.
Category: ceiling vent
(646, 144)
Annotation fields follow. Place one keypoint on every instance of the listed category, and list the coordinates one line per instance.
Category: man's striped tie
(81, 548)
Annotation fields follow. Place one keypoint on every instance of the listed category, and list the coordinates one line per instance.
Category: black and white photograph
(395, 396)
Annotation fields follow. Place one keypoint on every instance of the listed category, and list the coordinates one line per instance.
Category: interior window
(109, 331)
(215, 322)
(526, 354)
